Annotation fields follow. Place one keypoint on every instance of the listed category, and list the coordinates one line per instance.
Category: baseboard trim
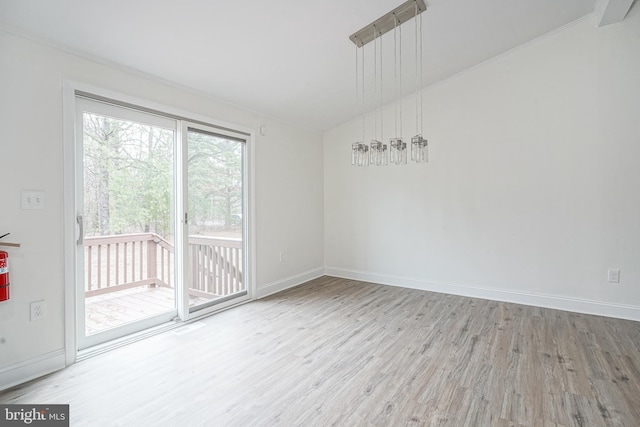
(620, 311)
(289, 282)
(27, 370)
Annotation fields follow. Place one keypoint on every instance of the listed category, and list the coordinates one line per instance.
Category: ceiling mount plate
(387, 22)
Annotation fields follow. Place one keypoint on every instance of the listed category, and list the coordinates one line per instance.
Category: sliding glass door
(161, 216)
(214, 268)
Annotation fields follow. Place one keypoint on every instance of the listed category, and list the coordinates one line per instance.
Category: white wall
(289, 198)
(532, 189)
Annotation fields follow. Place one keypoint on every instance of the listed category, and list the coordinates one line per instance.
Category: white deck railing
(215, 266)
(118, 262)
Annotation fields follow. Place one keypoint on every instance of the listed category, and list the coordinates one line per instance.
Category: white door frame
(71, 162)
(110, 110)
(216, 305)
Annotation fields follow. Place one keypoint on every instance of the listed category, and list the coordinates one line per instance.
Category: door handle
(81, 230)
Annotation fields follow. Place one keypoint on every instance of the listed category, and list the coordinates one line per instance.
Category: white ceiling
(289, 59)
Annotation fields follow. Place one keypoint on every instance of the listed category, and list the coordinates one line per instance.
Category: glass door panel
(126, 199)
(214, 267)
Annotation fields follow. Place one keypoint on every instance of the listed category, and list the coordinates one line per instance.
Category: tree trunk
(103, 185)
(228, 221)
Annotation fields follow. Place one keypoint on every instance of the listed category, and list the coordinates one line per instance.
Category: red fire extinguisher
(4, 276)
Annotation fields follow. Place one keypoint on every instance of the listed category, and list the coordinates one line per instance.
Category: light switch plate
(613, 276)
(32, 199)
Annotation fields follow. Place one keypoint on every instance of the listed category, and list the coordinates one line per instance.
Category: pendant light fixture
(398, 154)
(419, 147)
(360, 150)
(379, 153)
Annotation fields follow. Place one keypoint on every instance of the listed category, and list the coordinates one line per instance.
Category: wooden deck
(129, 305)
(130, 277)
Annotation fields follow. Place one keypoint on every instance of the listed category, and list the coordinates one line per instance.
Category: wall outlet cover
(38, 310)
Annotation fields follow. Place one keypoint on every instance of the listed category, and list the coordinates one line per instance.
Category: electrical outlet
(613, 276)
(32, 200)
(38, 310)
(283, 256)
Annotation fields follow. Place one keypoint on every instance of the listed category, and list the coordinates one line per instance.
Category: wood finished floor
(348, 353)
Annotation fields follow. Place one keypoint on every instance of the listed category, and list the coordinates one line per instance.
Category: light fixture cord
(400, 72)
(362, 84)
(381, 95)
(356, 92)
(421, 77)
(395, 73)
(417, 75)
(375, 78)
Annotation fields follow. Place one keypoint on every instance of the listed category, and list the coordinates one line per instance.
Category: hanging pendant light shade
(359, 154)
(398, 151)
(379, 153)
(419, 147)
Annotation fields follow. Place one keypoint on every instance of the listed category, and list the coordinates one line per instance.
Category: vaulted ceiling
(289, 59)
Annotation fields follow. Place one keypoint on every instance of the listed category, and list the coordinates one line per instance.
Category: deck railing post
(152, 259)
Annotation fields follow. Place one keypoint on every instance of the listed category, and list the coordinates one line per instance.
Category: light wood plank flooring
(347, 353)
